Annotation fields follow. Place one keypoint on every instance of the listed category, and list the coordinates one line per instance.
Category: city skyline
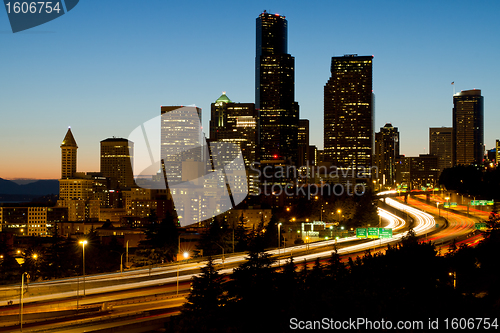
(85, 74)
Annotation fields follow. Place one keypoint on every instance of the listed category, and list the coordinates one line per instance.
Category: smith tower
(274, 90)
(68, 156)
(348, 122)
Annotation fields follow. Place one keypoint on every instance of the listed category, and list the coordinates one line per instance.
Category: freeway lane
(459, 226)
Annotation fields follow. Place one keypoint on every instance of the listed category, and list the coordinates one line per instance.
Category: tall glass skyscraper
(349, 112)
(274, 90)
(468, 127)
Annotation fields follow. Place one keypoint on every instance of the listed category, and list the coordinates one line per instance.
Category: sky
(107, 66)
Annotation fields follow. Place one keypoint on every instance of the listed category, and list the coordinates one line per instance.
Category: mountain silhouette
(39, 187)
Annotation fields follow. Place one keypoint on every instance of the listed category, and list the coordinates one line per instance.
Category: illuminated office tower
(274, 91)
(349, 112)
(386, 153)
(440, 145)
(181, 143)
(68, 156)
(468, 127)
(303, 142)
(116, 162)
(236, 123)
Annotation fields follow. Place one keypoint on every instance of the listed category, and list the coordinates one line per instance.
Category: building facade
(349, 112)
(116, 162)
(386, 154)
(468, 127)
(440, 145)
(275, 91)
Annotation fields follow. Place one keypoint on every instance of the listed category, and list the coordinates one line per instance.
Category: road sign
(481, 226)
(446, 205)
(481, 202)
(453, 204)
(361, 232)
(385, 232)
(373, 232)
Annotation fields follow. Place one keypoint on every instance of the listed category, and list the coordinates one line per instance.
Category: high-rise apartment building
(386, 154)
(349, 112)
(274, 90)
(440, 145)
(468, 127)
(68, 156)
(116, 162)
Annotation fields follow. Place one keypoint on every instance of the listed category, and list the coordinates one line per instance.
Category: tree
(206, 293)
(162, 239)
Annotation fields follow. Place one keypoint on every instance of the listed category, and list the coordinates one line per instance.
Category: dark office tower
(303, 142)
(68, 156)
(349, 112)
(274, 90)
(116, 162)
(236, 123)
(440, 145)
(468, 127)
(386, 153)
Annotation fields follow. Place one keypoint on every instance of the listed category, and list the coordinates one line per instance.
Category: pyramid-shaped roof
(223, 99)
(69, 140)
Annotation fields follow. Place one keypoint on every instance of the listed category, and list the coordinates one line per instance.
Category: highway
(160, 283)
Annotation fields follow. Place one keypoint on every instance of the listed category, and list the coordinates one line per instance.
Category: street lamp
(83, 243)
(186, 255)
(447, 212)
(22, 297)
(439, 210)
(279, 242)
(222, 253)
(338, 211)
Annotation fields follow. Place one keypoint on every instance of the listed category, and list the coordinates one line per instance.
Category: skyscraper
(303, 142)
(116, 162)
(68, 156)
(181, 142)
(274, 90)
(468, 127)
(386, 153)
(349, 112)
(235, 123)
(440, 145)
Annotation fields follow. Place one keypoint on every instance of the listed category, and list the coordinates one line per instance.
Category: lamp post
(448, 201)
(222, 254)
(279, 242)
(338, 212)
(83, 243)
(439, 210)
(186, 255)
(22, 297)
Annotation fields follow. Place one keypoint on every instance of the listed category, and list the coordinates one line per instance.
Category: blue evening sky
(108, 65)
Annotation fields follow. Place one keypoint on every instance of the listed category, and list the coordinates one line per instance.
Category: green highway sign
(361, 232)
(481, 226)
(385, 232)
(453, 204)
(446, 205)
(373, 232)
(481, 202)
